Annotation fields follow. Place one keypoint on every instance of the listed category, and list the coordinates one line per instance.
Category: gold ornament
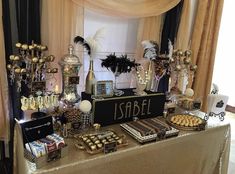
(24, 46)
(193, 68)
(23, 70)
(18, 45)
(178, 67)
(35, 60)
(9, 66)
(17, 70)
(16, 58)
(187, 60)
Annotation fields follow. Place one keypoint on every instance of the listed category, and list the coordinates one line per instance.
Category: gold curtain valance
(129, 8)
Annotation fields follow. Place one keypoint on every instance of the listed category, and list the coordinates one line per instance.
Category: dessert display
(147, 130)
(95, 143)
(186, 122)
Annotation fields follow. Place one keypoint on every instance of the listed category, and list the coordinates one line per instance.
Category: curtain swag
(129, 8)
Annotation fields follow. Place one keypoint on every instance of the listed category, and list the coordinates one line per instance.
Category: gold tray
(82, 141)
(198, 127)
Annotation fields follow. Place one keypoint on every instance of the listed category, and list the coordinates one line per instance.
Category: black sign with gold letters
(122, 109)
(74, 80)
(38, 86)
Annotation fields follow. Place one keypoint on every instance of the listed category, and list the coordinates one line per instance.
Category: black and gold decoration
(158, 64)
(118, 65)
(151, 52)
(33, 68)
(93, 46)
(90, 77)
(102, 141)
(80, 40)
(147, 130)
(181, 70)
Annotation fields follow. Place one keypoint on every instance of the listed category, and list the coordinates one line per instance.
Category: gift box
(41, 144)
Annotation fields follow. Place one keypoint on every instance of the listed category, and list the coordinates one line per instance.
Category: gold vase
(90, 79)
(150, 76)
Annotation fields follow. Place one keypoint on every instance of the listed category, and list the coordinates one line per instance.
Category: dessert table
(204, 152)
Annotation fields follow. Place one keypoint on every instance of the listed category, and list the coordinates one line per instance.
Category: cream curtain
(4, 110)
(186, 23)
(61, 21)
(149, 29)
(129, 8)
(204, 41)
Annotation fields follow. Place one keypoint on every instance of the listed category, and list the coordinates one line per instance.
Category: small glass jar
(70, 66)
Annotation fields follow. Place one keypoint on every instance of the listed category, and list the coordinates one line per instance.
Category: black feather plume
(120, 64)
(83, 42)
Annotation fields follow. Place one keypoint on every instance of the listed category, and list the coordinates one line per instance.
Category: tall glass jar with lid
(70, 66)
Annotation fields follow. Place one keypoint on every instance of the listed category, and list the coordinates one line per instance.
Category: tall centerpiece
(151, 51)
(32, 68)
(181, 68)
(70, 66)
(93, 46)
(158, 65)
(118, 65)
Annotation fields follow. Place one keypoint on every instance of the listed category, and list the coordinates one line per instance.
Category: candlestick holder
(181, 70)
(31, 67)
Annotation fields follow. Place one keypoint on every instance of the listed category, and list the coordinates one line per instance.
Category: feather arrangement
(151, 49)
(119, 65)
(83, 42)
(170, 48)
(94, 42)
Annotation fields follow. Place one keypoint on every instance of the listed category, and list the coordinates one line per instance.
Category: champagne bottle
(90, 79)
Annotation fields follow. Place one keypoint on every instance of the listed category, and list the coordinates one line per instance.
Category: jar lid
(70, 58)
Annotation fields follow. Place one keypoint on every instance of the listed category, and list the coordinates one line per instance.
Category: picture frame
(103, 88)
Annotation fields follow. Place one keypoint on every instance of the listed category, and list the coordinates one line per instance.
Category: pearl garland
(142, 81)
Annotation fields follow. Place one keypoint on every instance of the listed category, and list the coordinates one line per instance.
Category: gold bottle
(90, 79)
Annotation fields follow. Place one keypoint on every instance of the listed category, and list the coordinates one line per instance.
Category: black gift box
(33, 130)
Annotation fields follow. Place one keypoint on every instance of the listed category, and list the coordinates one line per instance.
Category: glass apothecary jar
(70, 66)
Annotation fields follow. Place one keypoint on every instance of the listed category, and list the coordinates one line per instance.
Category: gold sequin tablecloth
(204, 152)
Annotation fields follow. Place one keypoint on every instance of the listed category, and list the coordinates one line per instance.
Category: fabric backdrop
(186, 23)
(4, 116)
(61, 21)
(4, 110)
(204, 41)
(149, 29)
(129, 8)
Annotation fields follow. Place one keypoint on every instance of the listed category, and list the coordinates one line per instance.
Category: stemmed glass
(116, 91)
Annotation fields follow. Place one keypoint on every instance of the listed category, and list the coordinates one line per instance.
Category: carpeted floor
(231, 118)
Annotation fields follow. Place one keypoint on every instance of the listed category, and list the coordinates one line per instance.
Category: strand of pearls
(142, 81)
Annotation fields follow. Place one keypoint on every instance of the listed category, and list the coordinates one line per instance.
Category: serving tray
(148, 130)
(184, 122)
(94, 143)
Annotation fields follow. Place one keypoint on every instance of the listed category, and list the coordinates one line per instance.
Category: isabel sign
(123, 109)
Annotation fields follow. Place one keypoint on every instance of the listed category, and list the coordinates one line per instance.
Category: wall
(120, 37)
